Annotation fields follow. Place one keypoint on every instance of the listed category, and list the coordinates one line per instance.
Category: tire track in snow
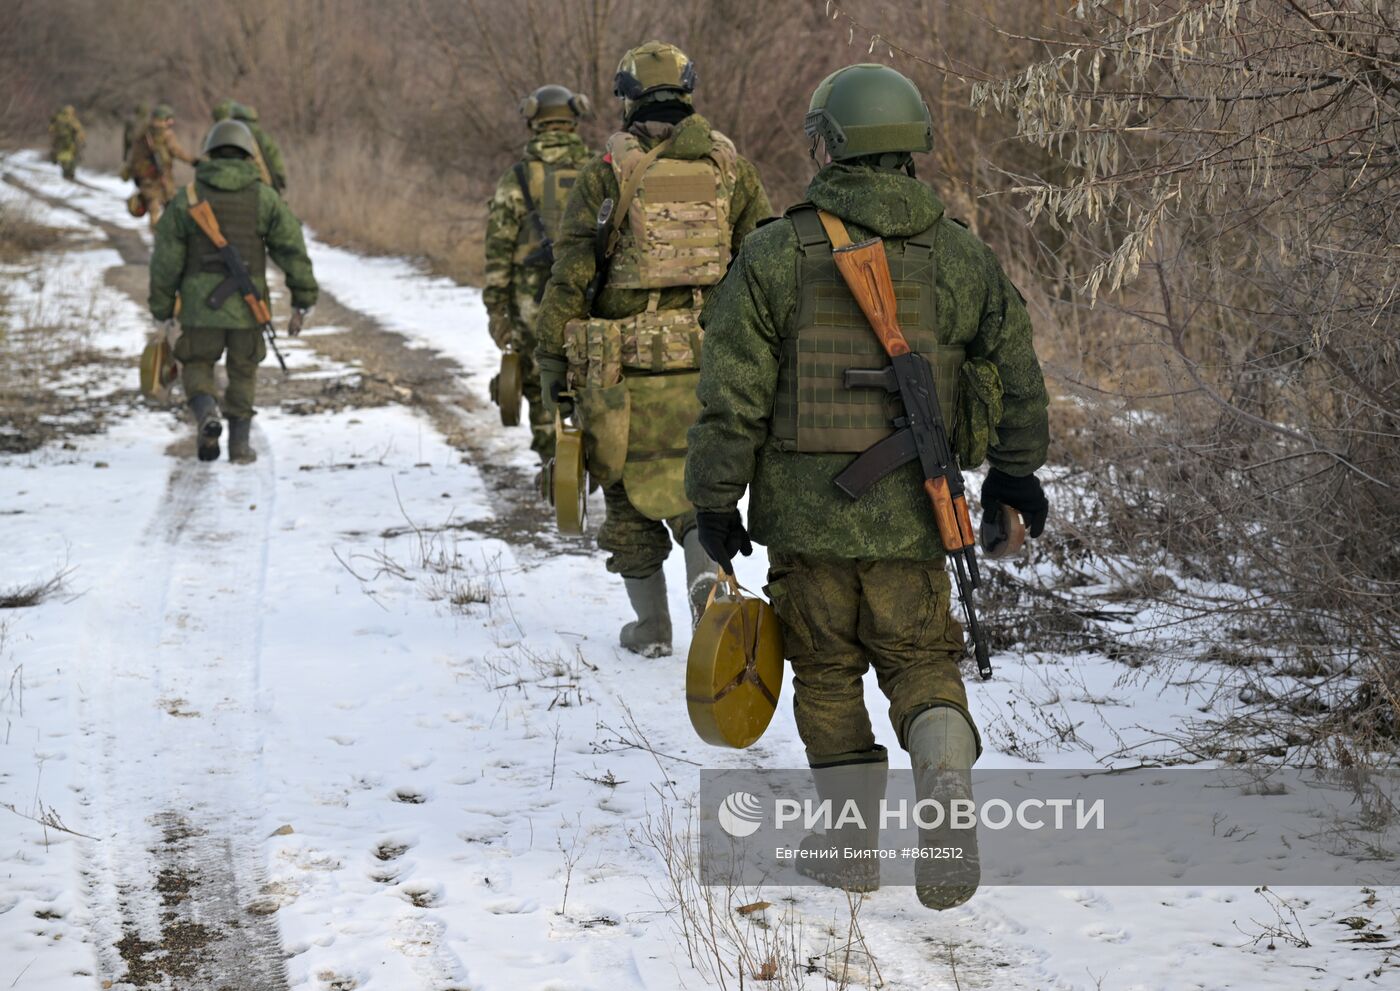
(173, 757)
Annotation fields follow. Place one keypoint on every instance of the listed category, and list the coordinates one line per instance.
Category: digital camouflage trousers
(841, 617)
(637, 546)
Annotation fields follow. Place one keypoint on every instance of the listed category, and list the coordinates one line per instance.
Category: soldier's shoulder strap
(807, 224)
(630, 173)
(522, 176)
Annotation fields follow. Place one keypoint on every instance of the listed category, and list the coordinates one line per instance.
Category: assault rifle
(602, 256)
(920, 433)
(543, 255)
(239, 280)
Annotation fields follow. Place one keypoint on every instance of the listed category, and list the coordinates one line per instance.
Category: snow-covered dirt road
(354, 717)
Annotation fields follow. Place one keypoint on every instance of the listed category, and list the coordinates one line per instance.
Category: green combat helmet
(554, 105)
(654, 71)
(245, 112)
(223, 110)
(163, 111)
(868, 110)
(231, 134)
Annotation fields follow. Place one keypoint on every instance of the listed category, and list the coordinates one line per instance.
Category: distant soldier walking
(131, 127)
(215, 321)
(522, 224)
(151, 161)
(795, 384)
(269, 156)
(680, 199)
(66, 140)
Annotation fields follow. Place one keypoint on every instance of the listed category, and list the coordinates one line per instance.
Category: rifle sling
(523, 179)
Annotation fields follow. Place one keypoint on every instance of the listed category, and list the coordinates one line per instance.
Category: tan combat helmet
(654, 71)
(554, 106)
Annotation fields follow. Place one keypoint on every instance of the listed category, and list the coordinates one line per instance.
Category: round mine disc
(570, 481)
(509, 388)
(734, 673)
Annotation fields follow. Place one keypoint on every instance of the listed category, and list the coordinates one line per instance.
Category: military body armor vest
(814, 412)
(678, 229)
(237, 213)
(546, 188)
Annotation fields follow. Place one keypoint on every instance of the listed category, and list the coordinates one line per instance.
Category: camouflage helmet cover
(245, 112)
(554, 103)
(868, 109)
(231, 134)
(223, 110)
(655, 68)
(163, 111)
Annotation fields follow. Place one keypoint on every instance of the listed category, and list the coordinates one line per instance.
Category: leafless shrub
(28, 594)
(734, 936)
(1226, 180)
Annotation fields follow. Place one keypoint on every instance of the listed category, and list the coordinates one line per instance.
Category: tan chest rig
(813, 411)
(635, 377)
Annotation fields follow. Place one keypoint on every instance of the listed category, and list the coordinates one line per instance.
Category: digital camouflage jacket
(511, 289)
(274, 224)
(573, 250)
(793, 504)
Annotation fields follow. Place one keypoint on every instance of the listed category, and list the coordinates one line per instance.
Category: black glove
(1022, 493)
(554, 374)
(722, 535)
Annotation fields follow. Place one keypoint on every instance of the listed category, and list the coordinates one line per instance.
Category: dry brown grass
(379, 199)
(21, 235)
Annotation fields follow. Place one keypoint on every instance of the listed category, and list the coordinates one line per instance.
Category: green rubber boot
(700, 574)
(240, 447)
(650, 633)
(943, 748)
(207, 425)
(843, 856)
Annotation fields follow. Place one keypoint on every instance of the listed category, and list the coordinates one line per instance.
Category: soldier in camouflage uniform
(629, 359)
(521, 224)
(255, 220)
(151, 161)
(269, 157)
(861, 582)
(66, 140)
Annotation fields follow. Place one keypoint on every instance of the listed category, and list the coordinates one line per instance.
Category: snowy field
(320, 716)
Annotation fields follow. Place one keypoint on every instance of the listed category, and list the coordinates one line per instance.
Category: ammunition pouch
(652, 342)
(634, 381)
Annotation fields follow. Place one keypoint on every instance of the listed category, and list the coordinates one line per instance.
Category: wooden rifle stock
(867, 273)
